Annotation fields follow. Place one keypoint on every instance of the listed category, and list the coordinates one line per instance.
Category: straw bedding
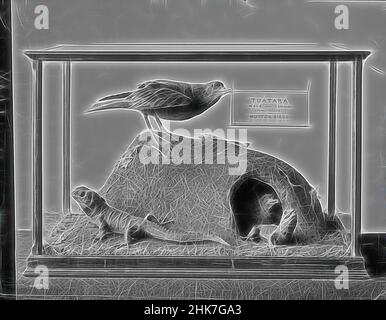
(74, 234)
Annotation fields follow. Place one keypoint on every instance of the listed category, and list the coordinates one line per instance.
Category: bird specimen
(165, 99)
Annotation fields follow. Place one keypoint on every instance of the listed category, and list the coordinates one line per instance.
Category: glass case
(240, 161)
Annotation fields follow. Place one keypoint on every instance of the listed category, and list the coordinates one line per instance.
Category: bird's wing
(122, 95)
(157, 98)
(161, 83)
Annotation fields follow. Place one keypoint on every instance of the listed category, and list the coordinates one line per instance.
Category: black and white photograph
(193, 150)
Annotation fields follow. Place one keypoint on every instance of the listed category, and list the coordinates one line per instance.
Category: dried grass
(75, 234)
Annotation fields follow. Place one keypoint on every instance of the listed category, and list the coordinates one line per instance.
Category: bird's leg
(160, 124)
(163, 129)
(149, 126)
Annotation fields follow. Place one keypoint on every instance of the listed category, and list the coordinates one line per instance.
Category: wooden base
(197, 267)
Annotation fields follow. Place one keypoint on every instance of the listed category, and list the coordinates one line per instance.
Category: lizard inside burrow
(275, 234)
(111, 220)
(281, 232)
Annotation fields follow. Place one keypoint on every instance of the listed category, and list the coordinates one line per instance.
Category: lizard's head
(88, 200)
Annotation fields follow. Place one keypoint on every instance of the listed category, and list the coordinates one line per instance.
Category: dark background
(7, 213)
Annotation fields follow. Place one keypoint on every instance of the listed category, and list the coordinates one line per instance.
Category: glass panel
(269, 197)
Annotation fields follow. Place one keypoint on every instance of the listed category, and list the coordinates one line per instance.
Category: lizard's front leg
(261, 232)
(104, 231)
(284, 233)
(129, 239)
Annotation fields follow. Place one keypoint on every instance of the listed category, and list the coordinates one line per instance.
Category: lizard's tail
(197, 237)
(219, 240)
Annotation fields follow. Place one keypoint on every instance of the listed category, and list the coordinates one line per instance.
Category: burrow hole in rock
(254, 202)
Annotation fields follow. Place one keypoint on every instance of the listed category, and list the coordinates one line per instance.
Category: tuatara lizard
(111, 220)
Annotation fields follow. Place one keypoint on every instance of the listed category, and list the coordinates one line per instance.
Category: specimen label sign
(278, 108)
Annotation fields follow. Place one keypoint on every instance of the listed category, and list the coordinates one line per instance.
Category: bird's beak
(226, 91)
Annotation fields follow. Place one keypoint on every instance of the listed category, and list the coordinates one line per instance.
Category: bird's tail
(115, 101)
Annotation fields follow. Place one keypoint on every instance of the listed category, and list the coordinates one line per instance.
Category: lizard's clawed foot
(280, 239)
(284, 233)
(102, 236)
(254, 234)
(261, 232)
